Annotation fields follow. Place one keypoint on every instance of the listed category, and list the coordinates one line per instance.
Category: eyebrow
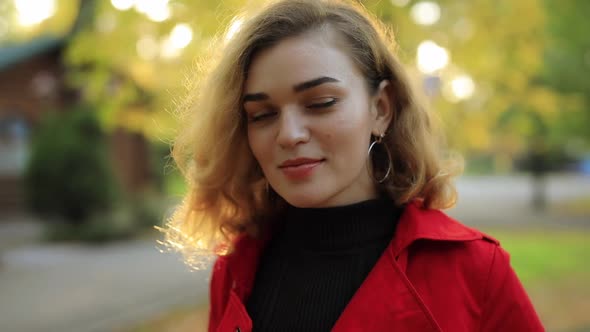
(313, 83)
(255, 97)
(297, 88)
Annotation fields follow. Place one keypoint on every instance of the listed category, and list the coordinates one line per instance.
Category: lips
(298, 162)
(300, 168)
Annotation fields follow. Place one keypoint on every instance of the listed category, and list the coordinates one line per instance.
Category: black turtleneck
(316, 261)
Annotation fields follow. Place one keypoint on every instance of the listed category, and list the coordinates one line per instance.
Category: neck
(339, 228)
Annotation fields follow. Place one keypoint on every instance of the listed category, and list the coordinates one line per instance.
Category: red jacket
(435, 275)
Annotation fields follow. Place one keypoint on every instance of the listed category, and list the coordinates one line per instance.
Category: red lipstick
(300, 168)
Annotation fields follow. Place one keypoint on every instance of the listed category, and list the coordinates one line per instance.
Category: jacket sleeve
(506, 305)
(218, 293)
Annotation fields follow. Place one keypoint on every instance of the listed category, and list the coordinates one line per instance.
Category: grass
(553, 266)
(538, 255)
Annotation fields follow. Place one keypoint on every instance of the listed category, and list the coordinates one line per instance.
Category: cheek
(349, 134)
(256, 141)
(352, 125)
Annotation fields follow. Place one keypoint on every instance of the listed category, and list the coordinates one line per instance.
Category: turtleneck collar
(340, 228)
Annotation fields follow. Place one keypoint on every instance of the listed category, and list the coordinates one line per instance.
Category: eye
(323, 102)
(261, 115)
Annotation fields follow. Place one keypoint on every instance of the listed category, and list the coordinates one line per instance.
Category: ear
(382, 106)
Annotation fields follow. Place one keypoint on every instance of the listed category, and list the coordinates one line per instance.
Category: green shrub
(148, 210)
(110, 225)
(160, 165)
(69, 176)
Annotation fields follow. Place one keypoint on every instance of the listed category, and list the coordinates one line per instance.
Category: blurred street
(67, 287)
(79, 288)
(506, 201)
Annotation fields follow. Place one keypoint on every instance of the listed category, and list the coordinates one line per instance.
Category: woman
(316, 177)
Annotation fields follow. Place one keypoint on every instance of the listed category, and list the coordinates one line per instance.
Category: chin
(304, 200)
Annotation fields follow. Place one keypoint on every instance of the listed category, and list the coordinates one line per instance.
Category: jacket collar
(415, 223)
(242, 263)
(418, 223)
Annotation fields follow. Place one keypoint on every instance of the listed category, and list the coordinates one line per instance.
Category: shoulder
(467, 259)
(220, 280)
(469, 279)
(236, 269)
(429, 227)
(457, 247)
(446, 254)
(471, 283)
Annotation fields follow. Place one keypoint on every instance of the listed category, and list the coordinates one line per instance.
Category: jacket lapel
(242, 264)
(387, 299)
(235, 317)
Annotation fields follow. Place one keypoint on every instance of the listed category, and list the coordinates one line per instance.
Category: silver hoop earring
(379, 140)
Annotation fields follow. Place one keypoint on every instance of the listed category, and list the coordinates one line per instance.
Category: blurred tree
(69, 176)
(134, 62)
(500, 44)
(567, 68)
(535, 158)
(29, 19)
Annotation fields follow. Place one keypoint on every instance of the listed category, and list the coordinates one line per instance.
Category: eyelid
(260, 115)
(324, 99)
(322, 102)
(258, 107)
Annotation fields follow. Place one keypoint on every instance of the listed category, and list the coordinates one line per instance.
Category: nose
(292, 128)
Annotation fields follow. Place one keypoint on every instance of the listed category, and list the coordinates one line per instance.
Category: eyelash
(324, 105)
(261, 117)
(311, 106)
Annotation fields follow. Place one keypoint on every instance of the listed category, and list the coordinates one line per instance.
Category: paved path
(506, 201)
(83, 289)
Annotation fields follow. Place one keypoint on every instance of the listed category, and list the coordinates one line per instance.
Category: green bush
(148, 210)
(69, 176)
(134, 216)
(160, 165)
(110, 225)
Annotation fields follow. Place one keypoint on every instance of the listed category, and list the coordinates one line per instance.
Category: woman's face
(310, 120)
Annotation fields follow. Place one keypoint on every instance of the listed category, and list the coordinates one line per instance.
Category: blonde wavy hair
(227, 193)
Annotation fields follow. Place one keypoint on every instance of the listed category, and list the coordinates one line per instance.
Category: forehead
(301, 58)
